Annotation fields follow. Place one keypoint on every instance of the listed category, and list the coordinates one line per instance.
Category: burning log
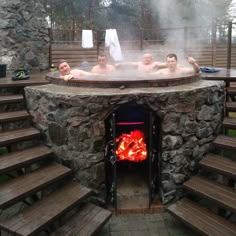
(131, 147)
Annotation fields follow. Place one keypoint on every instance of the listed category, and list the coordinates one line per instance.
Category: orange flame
(131, 147)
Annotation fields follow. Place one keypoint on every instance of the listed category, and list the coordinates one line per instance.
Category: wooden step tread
(201, 219)
(22, 186)
(88, 221)
(18, 135)
(224, 196)
(219, 164)
(224, 141)
(11, 99)
(13, 116)
(15, 160)
(37, 217)
(230, 106)
(231, 90)
(229, 122)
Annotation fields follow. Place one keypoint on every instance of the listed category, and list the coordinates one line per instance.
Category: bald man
(146, 65)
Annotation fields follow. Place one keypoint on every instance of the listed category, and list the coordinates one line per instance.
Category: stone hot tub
(83, 123)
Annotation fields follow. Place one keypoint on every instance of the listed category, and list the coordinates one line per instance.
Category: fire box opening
(131, 156)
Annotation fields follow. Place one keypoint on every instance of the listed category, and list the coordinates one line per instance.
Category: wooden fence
(214, 49)
(205, 54)
(74, 54)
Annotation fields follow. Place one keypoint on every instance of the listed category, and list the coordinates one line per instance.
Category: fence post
(229, 45)
(97, 39)
(185, 41)
(141, 39)
(50, 34)
(213, 42)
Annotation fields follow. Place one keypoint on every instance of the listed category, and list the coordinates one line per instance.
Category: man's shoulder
(75, 71)
(110, 66)
(96, 66)
(163, 71)
(160, 64)
(186, 70)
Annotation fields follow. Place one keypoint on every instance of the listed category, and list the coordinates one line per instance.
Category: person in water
(67, 73)
(103, 67)
(147, 64)
(173, 68)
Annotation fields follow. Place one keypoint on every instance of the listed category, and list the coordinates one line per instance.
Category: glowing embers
(131, 147)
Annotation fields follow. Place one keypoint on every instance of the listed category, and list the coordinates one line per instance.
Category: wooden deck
(227, 75)
(35, 79)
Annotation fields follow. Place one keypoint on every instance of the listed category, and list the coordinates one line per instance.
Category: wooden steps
(87, 222)
(36, 175)
(25, 185)
(200, 219)
(222, 195)
(13, 116)
(15, 160)
(230, 106)
(225, 142)
(231, 91)
(11, 99)
(229, 123)
(219, 198)
(18, 135)
(34, 219)
(219, 164)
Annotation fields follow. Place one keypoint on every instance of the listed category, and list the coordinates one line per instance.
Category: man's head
(63, 67)
(171, 61)
(102, 60)
(147, 59)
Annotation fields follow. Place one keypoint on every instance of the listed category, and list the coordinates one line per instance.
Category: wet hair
(147, 54)
(172, 55)
(102, 55)
(60, 62)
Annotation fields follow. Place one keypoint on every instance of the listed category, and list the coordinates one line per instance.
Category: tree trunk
(73, 20)
(91, 13)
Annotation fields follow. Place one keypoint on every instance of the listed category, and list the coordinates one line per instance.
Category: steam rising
(232, 10)
(181, 25)
(177, 13)
(197, 15)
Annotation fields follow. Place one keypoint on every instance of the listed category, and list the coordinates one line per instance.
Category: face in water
(147, 59)
(64, 68)
(102, 61)
(171, 63)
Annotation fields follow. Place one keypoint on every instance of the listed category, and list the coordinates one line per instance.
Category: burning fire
(131, 147)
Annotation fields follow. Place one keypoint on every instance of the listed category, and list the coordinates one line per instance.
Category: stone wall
(23, 34)
(72, 120)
